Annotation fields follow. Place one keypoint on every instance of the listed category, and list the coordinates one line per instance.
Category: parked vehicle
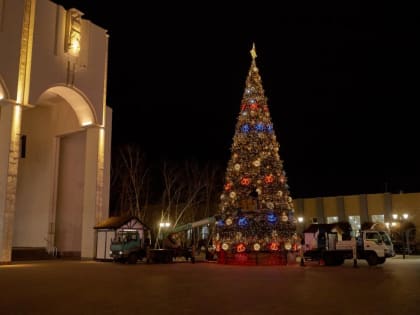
(172, 247)
(323, 243)
(176, 243)
(128, 247)
(389, 250)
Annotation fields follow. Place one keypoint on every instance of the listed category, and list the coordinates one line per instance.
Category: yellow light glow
(100, 175)
(9, 266)
(25, 61)
(17, 115)
(78, 101)
(74, 31)
(74, 48)
(2, 90)
(395, 216)
(86, 123)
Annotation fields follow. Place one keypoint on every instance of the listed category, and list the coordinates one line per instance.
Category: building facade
(55, 128)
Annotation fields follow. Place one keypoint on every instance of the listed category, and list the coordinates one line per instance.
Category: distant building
(392, 210)
(55, 129)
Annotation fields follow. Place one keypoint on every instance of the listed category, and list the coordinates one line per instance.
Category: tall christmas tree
(256, 210)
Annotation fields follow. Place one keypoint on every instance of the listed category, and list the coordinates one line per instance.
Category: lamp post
(407, 238)
(302, 240)
(300, 224)
(397, 224)
(163, 225)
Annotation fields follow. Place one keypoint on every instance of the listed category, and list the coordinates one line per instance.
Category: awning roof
(117, 222)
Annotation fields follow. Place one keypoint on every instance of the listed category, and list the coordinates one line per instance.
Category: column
(320, 210)
(388, 207)
(10, 120)
(93, 203)
(340, 209)
(364, 216)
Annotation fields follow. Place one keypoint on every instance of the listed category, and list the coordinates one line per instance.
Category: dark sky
(342, 84)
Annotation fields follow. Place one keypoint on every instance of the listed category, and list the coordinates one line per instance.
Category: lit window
(205, 232)
(378, 218)
(354, 221)
(332, 219)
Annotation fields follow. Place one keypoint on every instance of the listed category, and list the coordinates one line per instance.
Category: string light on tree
(256, 209)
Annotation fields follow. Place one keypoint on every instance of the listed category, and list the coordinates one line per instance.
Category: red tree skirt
(256, 258)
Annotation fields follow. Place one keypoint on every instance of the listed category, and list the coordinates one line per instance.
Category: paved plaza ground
(91, 287)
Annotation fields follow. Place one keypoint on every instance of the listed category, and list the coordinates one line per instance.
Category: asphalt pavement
(92, 287)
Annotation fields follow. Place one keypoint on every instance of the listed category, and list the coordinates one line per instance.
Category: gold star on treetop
(253, 52)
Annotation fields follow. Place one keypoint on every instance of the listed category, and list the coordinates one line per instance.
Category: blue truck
(128, 247)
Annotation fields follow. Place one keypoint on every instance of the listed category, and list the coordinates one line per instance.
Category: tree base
(257, 258)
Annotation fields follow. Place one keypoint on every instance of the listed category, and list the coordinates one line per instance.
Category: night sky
(342, 84)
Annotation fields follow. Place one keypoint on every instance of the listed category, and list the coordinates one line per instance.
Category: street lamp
(162, 226)
(302, 240)
(300, 224)
(398, 224)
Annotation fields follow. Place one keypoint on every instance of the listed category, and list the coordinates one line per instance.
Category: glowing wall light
(73, 32)
(78, 101)
(86, 123)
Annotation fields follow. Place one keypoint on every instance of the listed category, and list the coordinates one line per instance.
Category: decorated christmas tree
(256, 210)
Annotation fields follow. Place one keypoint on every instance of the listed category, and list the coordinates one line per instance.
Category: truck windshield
(374, 236)
(385, 238)
(121, 237)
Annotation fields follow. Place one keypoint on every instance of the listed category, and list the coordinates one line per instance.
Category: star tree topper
(253, 52)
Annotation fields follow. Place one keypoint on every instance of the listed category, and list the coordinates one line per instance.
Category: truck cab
(389, 250)
(127, 246)
(324, 243)
(370, 246)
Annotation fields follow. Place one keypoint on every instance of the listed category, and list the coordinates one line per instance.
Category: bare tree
(213, 181)
(130, 181)
(182, 187)
(188, 191)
